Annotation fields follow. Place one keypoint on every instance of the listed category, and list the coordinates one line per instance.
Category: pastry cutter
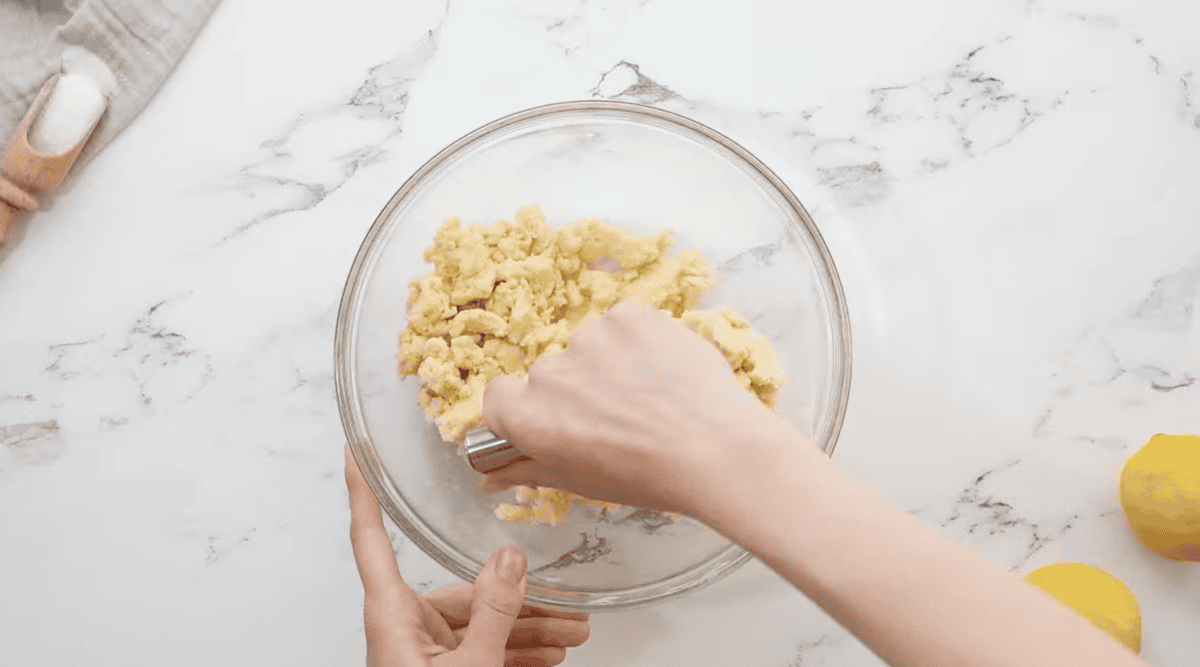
(488, 452)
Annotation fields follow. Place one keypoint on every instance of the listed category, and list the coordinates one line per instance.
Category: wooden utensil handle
(27, 175)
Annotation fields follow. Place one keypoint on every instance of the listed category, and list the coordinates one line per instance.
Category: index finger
(372, 549)
(498, 399)
(540, 612)
(454, 604)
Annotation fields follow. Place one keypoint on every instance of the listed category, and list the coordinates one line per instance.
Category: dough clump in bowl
(502, 295)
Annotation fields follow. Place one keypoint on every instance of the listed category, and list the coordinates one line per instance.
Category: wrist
(749, 471)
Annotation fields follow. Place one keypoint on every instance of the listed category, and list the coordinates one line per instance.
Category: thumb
(499, 595)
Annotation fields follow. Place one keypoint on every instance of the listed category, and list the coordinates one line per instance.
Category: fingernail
(511, 565)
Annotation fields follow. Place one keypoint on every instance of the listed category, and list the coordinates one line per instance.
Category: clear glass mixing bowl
(639, 167)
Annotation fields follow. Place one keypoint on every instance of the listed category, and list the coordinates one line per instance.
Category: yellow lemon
(1097, 595)
(1160, 492)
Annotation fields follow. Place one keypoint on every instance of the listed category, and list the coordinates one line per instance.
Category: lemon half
(1097, 596)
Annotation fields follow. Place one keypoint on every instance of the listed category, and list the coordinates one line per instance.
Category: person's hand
(638, 410)
(485, 624)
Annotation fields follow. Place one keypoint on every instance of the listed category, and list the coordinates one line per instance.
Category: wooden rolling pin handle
(27, 175)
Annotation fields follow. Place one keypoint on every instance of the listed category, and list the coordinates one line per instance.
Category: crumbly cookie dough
(504, 294)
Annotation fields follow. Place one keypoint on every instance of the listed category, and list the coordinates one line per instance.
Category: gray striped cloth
(140, 41)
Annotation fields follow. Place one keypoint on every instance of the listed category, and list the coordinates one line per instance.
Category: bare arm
(913, 596)
(641, 411)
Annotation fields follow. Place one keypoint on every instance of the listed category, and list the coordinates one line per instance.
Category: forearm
(913, 596)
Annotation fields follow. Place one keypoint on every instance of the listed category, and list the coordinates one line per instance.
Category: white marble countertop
(1010, 189)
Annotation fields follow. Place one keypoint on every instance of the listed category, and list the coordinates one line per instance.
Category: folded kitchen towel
(129, 46)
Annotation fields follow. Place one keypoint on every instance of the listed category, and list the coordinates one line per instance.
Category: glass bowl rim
(350, 408)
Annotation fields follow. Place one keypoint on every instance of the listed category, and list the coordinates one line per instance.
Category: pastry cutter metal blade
(488, 452)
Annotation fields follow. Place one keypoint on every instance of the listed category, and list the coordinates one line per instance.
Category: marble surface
(1008, 187)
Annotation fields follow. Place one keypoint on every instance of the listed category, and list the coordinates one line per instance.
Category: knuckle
(536, 634)
(518, 422)
(632, 310)
(633, 317)
(358, 531)
(501, 605)
(567, 632)
(378, 609)
(498, 392)
(545, 367)
(587, 334)
(625, 307)
(583, 632)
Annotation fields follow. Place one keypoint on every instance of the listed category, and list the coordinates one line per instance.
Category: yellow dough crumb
(504, 294)
(750, 354)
